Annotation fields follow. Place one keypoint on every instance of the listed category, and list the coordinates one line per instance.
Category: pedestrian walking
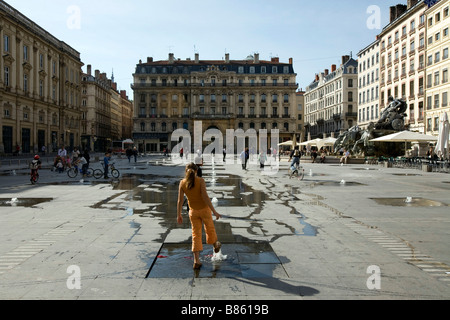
(262, 159)
(129, 153)
(200, 207)
(244, 158)
(224, 154)
(106, 160)
(135, 154)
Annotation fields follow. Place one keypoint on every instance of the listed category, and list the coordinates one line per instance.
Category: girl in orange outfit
(201, 207)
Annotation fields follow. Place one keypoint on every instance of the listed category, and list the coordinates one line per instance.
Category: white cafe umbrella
(442, 143)
(327, 142)
(286, 143)
(405, 136)
(311, 142)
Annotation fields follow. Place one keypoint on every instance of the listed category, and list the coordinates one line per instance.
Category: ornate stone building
(403, 60)
(438, 65)
(97, 111)
(223, 94)
(369, 84)
(331, 101)
(40, 87)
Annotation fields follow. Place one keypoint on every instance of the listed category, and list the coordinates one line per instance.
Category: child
(35, 165)
(82, 164)
(60, 167)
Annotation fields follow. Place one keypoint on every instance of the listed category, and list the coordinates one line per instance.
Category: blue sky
(114, 35)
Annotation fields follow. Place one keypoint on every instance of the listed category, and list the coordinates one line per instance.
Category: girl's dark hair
(191, 170)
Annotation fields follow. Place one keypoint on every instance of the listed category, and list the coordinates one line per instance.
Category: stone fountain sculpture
(357, 141)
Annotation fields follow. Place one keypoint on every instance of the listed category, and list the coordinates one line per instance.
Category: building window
(25, 53)
(41, 61)
(142, 126)
(25, 82)
(6, 76)
(41, 88)
(6, 43)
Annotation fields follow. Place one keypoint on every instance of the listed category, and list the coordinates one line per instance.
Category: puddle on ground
(244, 260)
(409, 202)
(342, 183)
(23, 202)
(407, 174)
(365, 169)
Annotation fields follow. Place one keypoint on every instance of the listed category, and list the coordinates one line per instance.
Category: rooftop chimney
(256, 58)
(89, 70)
(327, 72)
(227, 58)
(171, 58)
(275, 60)
(397, 11)
(291, 61)
(345, 59)
(149, 59)
(197, 58)
(333, 68)
(412, 3)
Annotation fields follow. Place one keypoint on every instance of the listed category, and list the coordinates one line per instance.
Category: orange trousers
(198, 219)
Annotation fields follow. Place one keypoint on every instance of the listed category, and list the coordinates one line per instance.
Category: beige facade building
(300, 95)
(222, 94)
(438, 64)
(331, 101)
(127, 115)
(403, 61)
(96, 106)
(369, 84)
(40, 87)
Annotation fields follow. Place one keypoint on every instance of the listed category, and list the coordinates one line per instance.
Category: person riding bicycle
(295, 155)
(35, 165)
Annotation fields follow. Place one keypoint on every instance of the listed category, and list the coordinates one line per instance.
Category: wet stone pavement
(282, 238)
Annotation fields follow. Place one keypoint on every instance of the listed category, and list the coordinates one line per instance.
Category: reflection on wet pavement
(245, 260)
(245, 235)
(409, 202)
(23, 202)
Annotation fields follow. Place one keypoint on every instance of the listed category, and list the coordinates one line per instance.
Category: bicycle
(299, 172)
(73, 172)
(34, 176)
(98, 173)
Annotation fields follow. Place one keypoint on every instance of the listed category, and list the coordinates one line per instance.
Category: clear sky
(114, 35)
